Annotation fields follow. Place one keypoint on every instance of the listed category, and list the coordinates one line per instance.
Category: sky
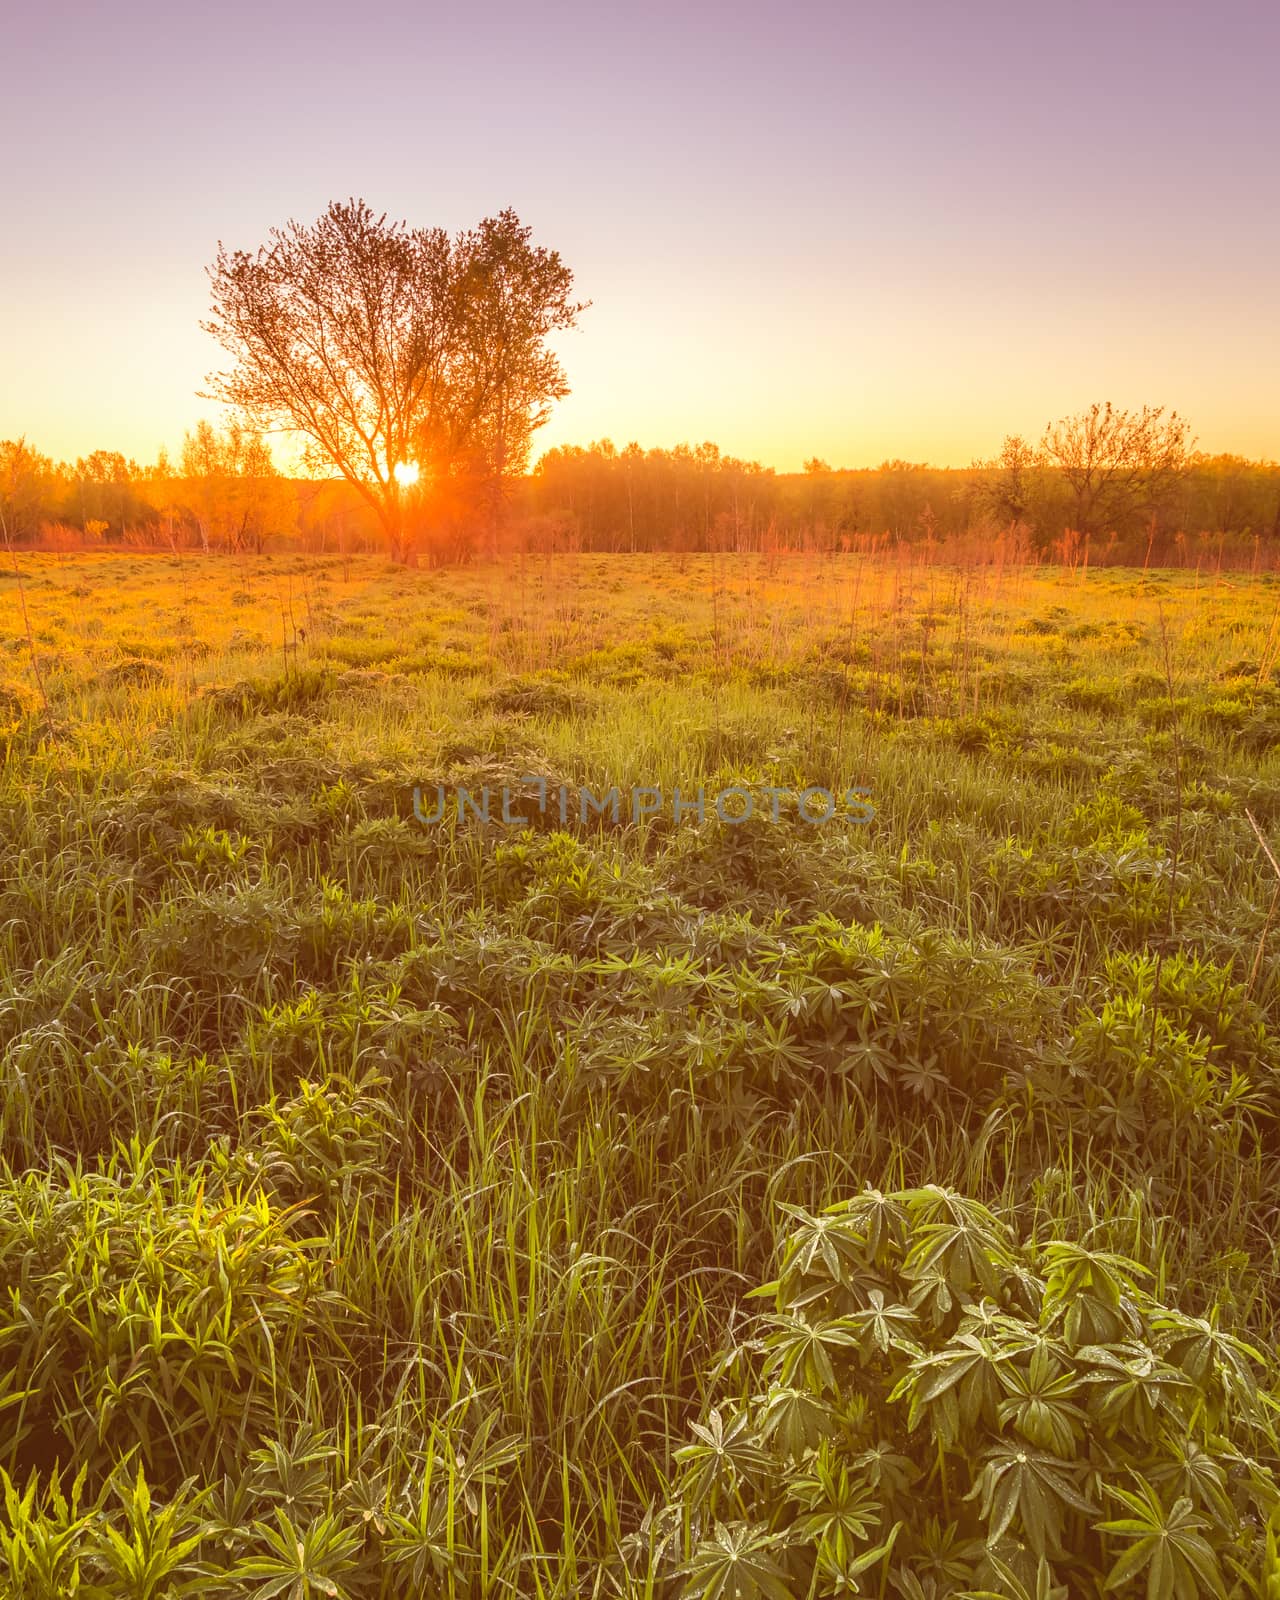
(857, 231)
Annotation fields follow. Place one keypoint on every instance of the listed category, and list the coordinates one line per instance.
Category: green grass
(382, 1206)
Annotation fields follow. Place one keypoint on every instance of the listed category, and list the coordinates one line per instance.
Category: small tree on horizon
(1004, 486)
(1118, 466)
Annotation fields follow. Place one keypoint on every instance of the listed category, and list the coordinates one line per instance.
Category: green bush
(143, 1309)
(941, 1408)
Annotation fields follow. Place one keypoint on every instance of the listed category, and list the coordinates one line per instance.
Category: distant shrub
(366, 678)
(224, 939)
(1106, 819)
(531, 697)
(362, 651)
(994, 730)
(1159, 711)
(1055, 761)
(1093, 694)
(1205, 998)
(135, 673)
(1225, 715)
(1142, 684)
(294, 691)
(1008, 683)
(1261, 731)
(1117, 889)
(17, 702)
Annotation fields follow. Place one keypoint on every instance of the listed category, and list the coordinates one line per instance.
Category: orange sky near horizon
(814, 229)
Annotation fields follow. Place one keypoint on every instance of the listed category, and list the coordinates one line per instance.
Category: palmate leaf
(932, 1297)
(886, 1469)
(1204, 1353)
(296, 1475)
(1013, 1588)
(1199, 1475)
(1086, 1288)
(882, 1326)
(843, 1570)
(773, 1046)
(839, 1506)
(423, 1538)
(834, 1244)
(924, 1078)
(941, 1560)
(870, 1058)
(967, 1251)
(736, 1563)
(1169, 1546)
(1134, 1387)
(795, 1420)
(801, 1351)
(956, 1387)
(880, 1217)
(1033, 1486)
(299, 1564)
(1121, 1118)
(1039, 1403)
(1016, 1333)
(932, 1203)
(723, 1453)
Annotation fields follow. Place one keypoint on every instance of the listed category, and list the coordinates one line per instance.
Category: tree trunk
(393, 526)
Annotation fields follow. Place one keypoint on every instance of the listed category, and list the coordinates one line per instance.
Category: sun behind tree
(382, 345)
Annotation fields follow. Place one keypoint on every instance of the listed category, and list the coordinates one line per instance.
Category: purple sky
(851, 230)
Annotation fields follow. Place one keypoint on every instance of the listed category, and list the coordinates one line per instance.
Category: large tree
(1119, 466)
(383, 345)
(513, 296)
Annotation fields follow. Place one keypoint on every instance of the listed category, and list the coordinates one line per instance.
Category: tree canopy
(1118, 464)
(381, 344)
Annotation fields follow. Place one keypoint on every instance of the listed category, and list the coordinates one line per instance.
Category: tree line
(411, 370)
(224, 493)
(1118, 486)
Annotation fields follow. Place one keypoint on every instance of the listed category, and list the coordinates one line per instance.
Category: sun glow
(405, 472)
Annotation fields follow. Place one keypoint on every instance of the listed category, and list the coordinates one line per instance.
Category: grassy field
(385, 1207)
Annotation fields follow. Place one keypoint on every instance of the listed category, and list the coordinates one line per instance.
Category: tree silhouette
(381, 344)
(1118, 465)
